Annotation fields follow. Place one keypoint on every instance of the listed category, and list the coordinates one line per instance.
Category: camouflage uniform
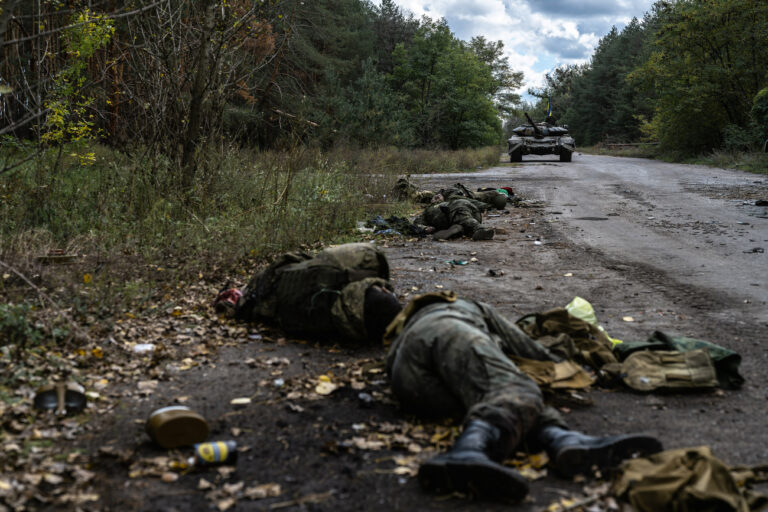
(319, 295)
(491, 198)
(450, 359)
(457, 191)
(464, 212)
(405, 190)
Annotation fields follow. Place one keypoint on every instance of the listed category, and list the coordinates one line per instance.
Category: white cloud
(538, 35)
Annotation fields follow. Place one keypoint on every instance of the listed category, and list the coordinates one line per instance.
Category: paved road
(698, 225)
(669, 247)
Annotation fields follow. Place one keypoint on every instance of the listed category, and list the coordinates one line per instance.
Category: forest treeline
(691, 75)
(172, 75)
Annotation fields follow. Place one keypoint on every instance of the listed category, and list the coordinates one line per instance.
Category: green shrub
(759, 112)
(15, 328)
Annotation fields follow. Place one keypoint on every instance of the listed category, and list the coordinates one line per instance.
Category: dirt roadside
(352, 449)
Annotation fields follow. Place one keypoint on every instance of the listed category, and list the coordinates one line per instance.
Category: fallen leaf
(169, 477)
(52, 479)
(147, 387)
(365, 444)
(233, 489)
(226, 504)
(225, 471)
(325, 388)
(270, 490)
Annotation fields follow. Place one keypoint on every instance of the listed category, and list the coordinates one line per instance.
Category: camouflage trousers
(448, 366)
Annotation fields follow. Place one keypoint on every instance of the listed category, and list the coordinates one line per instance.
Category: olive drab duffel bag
(726, 361)
(648, 370)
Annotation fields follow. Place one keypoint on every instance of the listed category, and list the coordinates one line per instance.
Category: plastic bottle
(215, 453)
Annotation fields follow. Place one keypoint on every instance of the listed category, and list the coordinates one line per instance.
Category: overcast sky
(538, 35)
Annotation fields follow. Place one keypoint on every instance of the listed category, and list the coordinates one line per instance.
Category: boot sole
(482, 480)
(574, 460)
(486, 234)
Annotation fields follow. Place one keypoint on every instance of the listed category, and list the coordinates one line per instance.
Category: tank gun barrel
(535, 128)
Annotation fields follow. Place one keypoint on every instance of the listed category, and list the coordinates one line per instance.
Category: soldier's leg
(462, 215)
(451, 367)
(468, 220)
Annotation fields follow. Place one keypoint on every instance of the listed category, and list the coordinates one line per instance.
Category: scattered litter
(240, 402)
(457, 262)
(758, 250)
(278, 383)
(365, 399)
(568, 274)
(215, 453)
(362, 228)
(62, 398)
(394, 226)
(259, 492)
(175, 426)
(538, 242)
(581, 308)
(143, 348)
(57, 256)
(495, 273)
(628, 319)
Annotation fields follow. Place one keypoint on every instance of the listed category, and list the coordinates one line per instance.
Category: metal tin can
(174, 426)
(216, 452)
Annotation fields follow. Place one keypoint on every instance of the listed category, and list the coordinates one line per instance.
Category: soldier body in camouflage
(456, 217)
(450, 357)
(470, 339)
(490, 198)
(327, 294)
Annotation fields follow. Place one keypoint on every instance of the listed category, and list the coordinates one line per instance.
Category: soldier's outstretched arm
(515, 341)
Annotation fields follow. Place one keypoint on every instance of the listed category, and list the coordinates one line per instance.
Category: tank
(540, 139)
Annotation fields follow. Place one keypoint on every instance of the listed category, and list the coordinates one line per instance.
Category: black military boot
(572, 453)
(469, 467)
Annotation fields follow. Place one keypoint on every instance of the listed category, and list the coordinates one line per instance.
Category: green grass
(137, 236)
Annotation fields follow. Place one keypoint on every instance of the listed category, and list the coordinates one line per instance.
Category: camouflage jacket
(317, 296)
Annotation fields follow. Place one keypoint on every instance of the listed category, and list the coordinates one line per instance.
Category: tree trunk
(199, 89)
